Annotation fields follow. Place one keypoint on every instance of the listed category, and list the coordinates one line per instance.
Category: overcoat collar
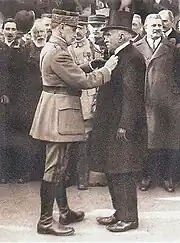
(162, 48)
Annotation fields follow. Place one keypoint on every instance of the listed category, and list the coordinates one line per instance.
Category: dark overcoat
(162, 94)
(120, 104)
(4, 82)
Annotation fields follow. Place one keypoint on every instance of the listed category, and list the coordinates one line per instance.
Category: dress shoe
(71, 217)
(55, 229)
(106, 220)
(168, 185)
(122, 226)
(145, 184)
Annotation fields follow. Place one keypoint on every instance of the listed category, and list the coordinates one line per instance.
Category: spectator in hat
(119, 132)
(24, 20)
(95, 24)
(58, 118)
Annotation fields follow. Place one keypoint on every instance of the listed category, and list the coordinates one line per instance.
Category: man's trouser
(122, 188)
(57, 158)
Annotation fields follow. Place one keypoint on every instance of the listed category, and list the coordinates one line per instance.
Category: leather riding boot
(66, 215)
(83, 166)
(46, 224)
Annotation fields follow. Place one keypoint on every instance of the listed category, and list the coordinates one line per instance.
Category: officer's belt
(62, 90)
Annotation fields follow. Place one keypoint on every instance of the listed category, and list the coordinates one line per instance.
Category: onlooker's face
(112, 39)
(81, 32)
(10, 31)
(39, 36)
(95, 29)
(68, 33)
(154, 28)
(47, 23)
(167, 22)
(137, 25)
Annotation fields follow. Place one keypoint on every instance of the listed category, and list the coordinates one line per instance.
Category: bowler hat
(120, 20)
(62, 16)
(98, 18)
(24, 20)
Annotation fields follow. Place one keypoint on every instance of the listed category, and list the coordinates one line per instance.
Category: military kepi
(66, 17)
(98, 18)
(120, 20)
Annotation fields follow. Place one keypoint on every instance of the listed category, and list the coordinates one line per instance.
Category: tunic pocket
(70, 120)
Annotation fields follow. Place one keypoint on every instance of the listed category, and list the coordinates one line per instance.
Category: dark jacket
(162, 94)
(120, 104)
(174, 36)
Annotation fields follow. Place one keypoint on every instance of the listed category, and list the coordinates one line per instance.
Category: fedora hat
(66, 17)
(120, 20)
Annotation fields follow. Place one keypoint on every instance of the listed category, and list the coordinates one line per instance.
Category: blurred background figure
(168, 27)
(178, 24)
(24, 20)
(95, 24)
(82, 52)
(46, 19)
(137, 27)
(32, 88)
(10, 31)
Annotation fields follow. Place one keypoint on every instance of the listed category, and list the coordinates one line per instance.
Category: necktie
(153, 46)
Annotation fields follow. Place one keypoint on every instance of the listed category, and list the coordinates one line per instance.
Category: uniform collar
(80, 43)
(59, 41)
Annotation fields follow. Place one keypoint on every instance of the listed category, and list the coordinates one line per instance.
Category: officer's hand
(112, 62)
(4, 100)
(121, 134)
(98, 63)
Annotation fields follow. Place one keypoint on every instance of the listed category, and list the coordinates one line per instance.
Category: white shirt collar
(121, 47)
(167, 33)
(150, 41)
(8, 43)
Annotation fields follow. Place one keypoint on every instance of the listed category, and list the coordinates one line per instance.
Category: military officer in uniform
(82, 52)
(58, 118)
(95, 23)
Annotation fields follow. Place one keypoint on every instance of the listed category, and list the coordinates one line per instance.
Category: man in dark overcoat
(162, 102)
(4, 103)
(31, 91)
(119, 132)
(59, 120)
